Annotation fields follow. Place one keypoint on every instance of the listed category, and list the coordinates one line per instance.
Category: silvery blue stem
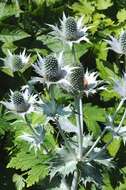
(118, 108)
(95, 143)
(75, 181)
(74, 55)
(80, 135)
(122, 120)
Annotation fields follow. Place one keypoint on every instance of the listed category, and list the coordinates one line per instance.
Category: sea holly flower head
(118, 45)
(91, 84)
(70, 31)
(73, 82)
(120, 86)
(35, 140)
(16, 62)
(50, 69)
(20, 102)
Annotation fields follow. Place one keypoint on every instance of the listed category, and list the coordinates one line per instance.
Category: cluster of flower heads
(52, 70)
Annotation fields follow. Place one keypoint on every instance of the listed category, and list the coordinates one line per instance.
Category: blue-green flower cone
(51, 68)
(70, 29)
(76, 81)
(19, 102)
(123, 42)
(17, 62)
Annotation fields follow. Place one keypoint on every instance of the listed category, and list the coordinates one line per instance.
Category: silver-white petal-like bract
(79, 35)
(91, 84)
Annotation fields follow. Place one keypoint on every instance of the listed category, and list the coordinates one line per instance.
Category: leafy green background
(23, 25)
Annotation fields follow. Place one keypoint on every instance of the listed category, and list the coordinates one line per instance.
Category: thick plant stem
(80, 135)
(81, 114)
(74, 55)
(122, 120)
(75, 181)
(118, 108)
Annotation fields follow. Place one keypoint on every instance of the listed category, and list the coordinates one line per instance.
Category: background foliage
(23, 25)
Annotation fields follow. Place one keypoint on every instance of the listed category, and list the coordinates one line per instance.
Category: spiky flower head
(20, 102)
(118, 45)
(50, 69)
(73, 82)
(91, 84)
(120, 86)
(16, 62)
(123, 42)
(70, 31)
(35, 140)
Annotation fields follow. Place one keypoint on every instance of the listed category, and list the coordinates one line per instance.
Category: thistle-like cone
(51, 68)
(19, 102)
(70, 29)
(123, 42)
(17, 62)
(76, 80)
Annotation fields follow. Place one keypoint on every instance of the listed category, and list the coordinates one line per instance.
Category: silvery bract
(120, 86)
(16, 62)
(20, 102)
(35, 140)
(70, 31)
(50, 69)
(73, 82)
(118, 45)
(91, 84)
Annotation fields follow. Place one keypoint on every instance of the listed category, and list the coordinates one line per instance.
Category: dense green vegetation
(23, 25)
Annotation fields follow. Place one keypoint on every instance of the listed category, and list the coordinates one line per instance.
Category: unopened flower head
(35, 140)
(50, 69)
(16, 62)
(91, 84)
(20, 102)
(118, 45)
(73, 82)
(70, 31)
(120, 86)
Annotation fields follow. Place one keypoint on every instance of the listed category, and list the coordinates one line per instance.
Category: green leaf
(38, 172)
(7, 71)
(11, 34)
(8, 10)
(93, 114)
(19, 181)
(104, 4)
(121, 15)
